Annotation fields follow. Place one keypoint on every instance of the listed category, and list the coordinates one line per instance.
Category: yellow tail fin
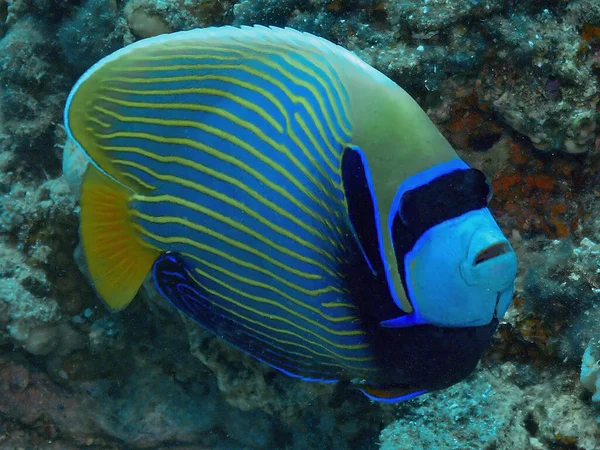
(117, 258)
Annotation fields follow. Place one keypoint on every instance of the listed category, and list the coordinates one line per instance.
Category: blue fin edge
(400, 398)
(280, 369)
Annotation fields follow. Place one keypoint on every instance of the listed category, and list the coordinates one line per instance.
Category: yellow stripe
(222, 177)
(262, 300)
(301, 355)
(138, 180)
(226, 220)
(257, 131)
(219, 155)
(334, 78)
(224, 198)
(271, 288)
(183, 240)
(199, 107)
(223, 113)
(292, 323)
(282, 52)
(268, 62)
(290, 311)
(294, 98)
(283, 331)
(249, 86)
(338, 305)
(98, 122)
(301, 82)
(331, 73)
(224, 78)
(331, 355)
(219, 133)
(284, 342)
(312, 139)
(243, 263)
(249, 265)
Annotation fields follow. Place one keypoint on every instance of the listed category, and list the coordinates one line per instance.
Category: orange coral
(533, 330)
(534, 193)
(589, 34)
(538, 193)
(510, 346)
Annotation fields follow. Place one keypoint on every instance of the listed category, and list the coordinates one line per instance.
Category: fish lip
(492, 252)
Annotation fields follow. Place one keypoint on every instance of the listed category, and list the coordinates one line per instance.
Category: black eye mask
(444, 198)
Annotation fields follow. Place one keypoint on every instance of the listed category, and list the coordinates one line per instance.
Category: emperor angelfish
(294, 201)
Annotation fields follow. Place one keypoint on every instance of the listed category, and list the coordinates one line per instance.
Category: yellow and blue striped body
(227, 161)
(236, 154)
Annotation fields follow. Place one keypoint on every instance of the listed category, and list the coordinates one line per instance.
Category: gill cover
(457, 266)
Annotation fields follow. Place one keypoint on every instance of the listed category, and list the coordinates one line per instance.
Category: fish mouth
(491, 252)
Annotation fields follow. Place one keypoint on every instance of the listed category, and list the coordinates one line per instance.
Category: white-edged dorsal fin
(289, 37)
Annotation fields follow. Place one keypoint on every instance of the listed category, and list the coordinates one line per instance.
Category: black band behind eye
(444, 198)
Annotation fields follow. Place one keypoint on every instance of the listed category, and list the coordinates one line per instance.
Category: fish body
(294, 201)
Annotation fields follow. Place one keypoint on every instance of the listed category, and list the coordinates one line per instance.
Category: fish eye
(444, 198)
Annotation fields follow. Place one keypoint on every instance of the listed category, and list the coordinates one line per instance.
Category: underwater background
(512, 85)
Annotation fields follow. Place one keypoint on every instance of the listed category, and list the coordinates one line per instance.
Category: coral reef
(590, 370)
(513, 86)
(101, 21)
(503, 410)
(533, 67)
(32, 94)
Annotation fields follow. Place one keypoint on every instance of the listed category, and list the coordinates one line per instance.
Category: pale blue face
(462, 271)
(457, 267)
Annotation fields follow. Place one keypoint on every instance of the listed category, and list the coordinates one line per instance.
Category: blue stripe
(170, 209)
(173, 229)
(226, 147)
(305, 92)
(230, 191)
(181, 290)
(322, 60)
(400, 398)
(326, 209)
(222, 144)
(199, 310)
(200, 99)
(259, 82)
(274, 55)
